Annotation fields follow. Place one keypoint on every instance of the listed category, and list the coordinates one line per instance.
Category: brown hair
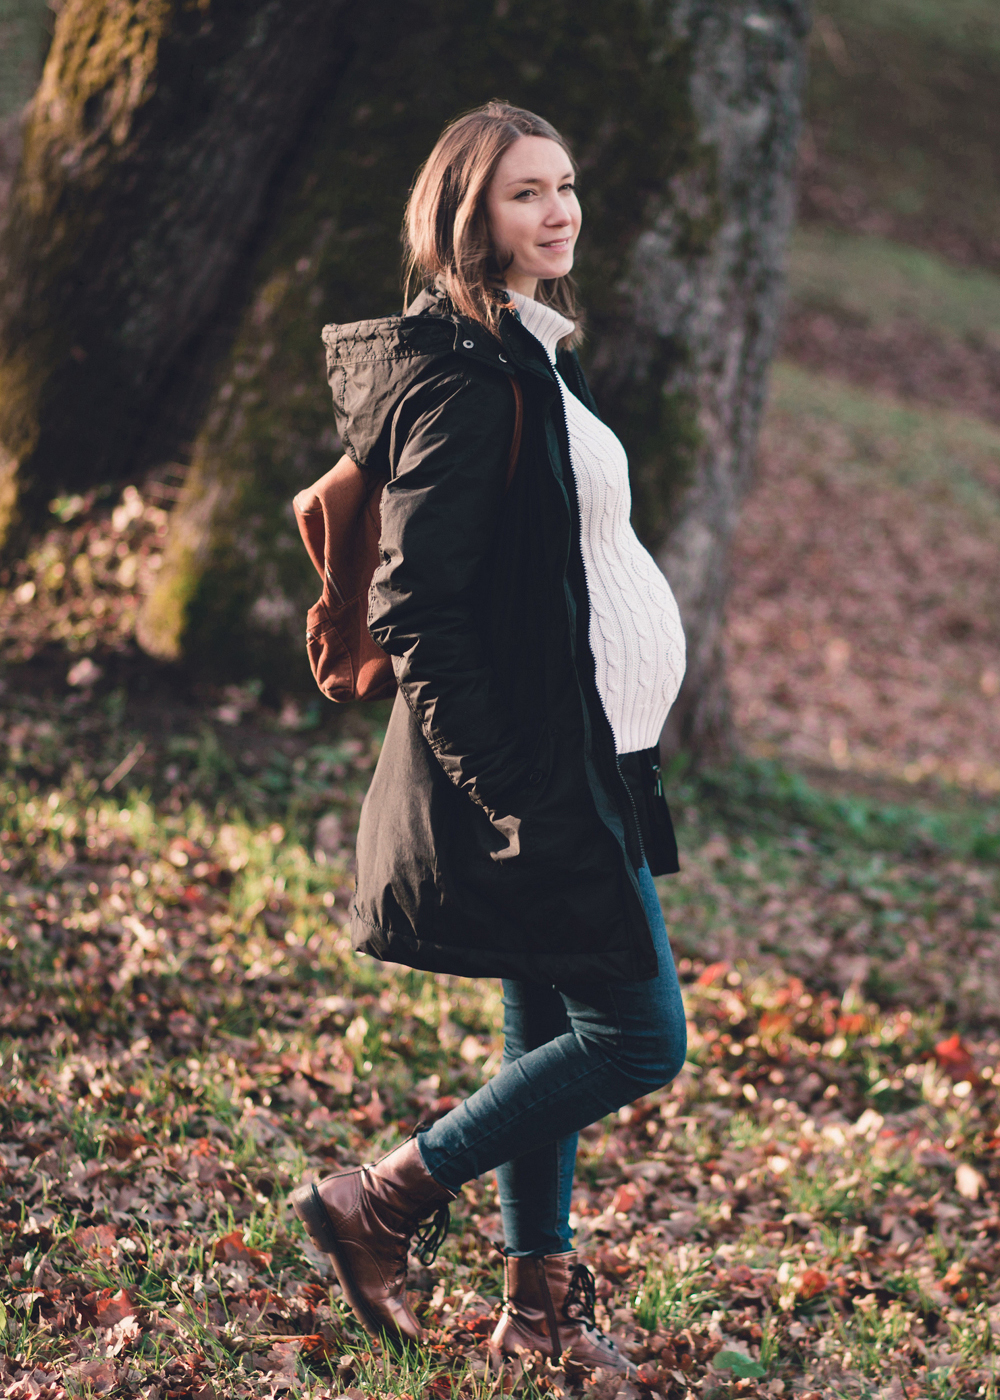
(446, 229)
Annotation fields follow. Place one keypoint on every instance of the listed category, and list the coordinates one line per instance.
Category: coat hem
(388, 945)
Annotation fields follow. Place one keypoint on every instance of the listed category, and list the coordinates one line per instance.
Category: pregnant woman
(515, 819)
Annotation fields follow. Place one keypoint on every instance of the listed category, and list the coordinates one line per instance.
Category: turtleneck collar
(547, 325)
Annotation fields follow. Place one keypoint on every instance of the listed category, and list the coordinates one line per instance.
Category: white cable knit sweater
(635, 626)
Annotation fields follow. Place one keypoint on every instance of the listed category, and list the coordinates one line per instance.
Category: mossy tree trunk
(681, 361)
(684, 114)
(154, 136)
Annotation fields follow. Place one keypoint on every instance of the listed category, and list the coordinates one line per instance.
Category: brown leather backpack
(340, 520)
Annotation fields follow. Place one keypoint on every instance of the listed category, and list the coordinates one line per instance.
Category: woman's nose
(556, 216)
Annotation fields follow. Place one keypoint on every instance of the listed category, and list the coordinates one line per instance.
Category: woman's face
(534, 213)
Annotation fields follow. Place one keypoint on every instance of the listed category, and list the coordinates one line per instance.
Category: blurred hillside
(864, 627)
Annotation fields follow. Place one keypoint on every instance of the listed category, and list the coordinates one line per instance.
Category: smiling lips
(558, 245)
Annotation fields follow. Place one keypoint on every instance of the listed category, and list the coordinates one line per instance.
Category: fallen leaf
(97, 1239)
(282, 1357)
(370, 1116)
(953, 1056)
(122, 1333)
(101, 1376)
(108, 1308)
(626, 1197)
(811, 1282)
(233, 1247)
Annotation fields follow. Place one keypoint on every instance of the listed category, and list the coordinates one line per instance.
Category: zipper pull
(658, 789)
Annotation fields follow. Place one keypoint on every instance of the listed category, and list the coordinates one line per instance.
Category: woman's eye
(523, 193)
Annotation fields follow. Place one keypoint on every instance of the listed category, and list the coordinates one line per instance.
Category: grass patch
(946, 456)
(765, 797)
(876, 281)
(962, 27)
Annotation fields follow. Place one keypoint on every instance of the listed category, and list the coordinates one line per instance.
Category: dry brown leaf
(234, 1247)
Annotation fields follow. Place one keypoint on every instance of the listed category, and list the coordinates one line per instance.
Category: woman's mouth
(558, 245)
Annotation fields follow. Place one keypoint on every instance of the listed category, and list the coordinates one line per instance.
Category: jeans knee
(660, 1062)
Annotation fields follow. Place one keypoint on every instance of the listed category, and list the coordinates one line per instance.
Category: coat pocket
(640, 771)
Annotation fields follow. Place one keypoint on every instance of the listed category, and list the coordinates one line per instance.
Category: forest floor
(811, 1210)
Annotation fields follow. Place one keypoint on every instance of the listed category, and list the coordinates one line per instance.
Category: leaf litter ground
(810, 1210)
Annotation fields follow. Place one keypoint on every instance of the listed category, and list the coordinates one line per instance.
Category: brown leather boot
(364, 1219)
(548, 1306)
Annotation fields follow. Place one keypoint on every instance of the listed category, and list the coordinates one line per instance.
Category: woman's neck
(525, 286)
(545, 323)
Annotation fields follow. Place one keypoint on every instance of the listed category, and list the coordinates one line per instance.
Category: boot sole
(500, 1355)
(308, 1206)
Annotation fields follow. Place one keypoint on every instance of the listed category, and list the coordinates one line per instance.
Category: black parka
(498, 837)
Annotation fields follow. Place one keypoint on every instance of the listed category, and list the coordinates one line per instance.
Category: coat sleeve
(450, 447)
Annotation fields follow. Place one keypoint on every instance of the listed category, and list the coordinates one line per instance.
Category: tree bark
(680, 367)
(684, 116)
(151, 141)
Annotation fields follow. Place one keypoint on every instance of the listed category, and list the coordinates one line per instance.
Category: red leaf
(108, 1308)
(953, 1056)
(810, 1282)
(626, 1197)
(233, 1246)
(439, 1107)
(317, 1347)
(712, 973)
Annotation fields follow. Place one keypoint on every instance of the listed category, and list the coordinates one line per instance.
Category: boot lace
(429, 1236)
(581, 1297)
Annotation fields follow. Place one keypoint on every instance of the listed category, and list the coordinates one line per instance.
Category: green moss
(614, 78)
(124, 228)
(100, 71)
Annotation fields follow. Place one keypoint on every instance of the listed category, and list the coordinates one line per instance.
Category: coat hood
(370, 365)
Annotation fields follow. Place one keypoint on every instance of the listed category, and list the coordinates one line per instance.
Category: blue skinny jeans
(573, 1052)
